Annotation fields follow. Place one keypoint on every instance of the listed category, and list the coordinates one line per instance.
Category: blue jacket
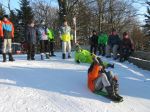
(114, 40)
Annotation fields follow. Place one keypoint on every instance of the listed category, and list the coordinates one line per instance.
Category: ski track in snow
(58, 85)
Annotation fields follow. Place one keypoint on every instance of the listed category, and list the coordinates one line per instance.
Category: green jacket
(50, 34)
(85, 56)
(102, 39)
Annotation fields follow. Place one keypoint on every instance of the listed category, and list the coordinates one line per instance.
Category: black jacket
(94, 40)
(114, 40)
(31, 35)
(126, 43)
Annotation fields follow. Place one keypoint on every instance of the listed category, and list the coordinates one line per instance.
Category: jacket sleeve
(77, 56)
(12, 32)
(95, 71)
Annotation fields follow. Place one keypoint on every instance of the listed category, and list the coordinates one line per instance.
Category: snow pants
(7, 43)
(66, 46)
(51, 48)
(102, 49)
(30, 50)
(93, 49)
(44, 46)
(114, 49)
(102, 82)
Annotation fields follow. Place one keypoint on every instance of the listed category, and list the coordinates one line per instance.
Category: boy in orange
(7, 37)
(99, 79)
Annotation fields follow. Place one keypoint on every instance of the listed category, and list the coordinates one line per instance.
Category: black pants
(124, 54)
(102, 49)
(93, 49)
(44, 46)
(51, 47)
(30, 50)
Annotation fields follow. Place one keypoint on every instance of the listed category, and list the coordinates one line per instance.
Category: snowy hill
(58, 85)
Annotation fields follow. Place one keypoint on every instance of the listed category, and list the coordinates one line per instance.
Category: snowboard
(105, 94)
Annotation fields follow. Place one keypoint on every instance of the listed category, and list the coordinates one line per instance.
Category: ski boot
(63, 56)
(69, 56)
(4, 57)
(42, 56)
(47, 56)
(11, 57)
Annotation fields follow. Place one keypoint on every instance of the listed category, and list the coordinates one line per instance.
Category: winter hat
(125, 33)
(113, 30)
(5, 16)
(94, 31)
(77, 48)
(1, 17)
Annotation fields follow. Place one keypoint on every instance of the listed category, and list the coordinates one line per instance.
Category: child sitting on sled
(84, 56)
(99, 79)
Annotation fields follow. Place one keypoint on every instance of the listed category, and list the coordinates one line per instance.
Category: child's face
(5, 19)
(126, 36)
(32, 24)
(114, 33)
(94, 33)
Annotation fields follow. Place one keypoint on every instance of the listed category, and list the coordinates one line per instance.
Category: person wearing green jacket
(50, 34)
(102, 42)
(84, 56)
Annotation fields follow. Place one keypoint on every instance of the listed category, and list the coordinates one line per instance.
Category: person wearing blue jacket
(113, 44)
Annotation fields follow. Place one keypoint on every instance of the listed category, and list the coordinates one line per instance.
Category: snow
(58, 85)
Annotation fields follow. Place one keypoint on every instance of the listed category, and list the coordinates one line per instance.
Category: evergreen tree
(25, 15)
(2, 10)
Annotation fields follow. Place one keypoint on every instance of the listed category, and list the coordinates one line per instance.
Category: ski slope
(58, 85)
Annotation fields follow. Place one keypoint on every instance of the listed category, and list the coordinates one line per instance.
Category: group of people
(35, 34)
(98, 77)
(113, 43)
(42, 35)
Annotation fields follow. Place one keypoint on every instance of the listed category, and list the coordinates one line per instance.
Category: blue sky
(141, 8)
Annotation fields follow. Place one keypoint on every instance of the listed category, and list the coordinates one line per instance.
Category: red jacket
(92, 76)
(7, 25)
(1, 29)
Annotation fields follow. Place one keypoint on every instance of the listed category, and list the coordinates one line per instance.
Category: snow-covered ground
(58, 85)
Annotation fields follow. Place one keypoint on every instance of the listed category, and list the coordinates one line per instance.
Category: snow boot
(52, 54)
(63, 56)
(42, 56)
(4, 57)
(111, 93)
(47, 56)
(116, 89)
(69, 56)
(32, 58)
(28, 57)
(11, 57)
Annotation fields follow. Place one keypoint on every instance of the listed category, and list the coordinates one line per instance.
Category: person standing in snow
(50, 34)
(7, 36)
(66, 38)
(126, 47)
(102, 42)
(43, 38)
(1, 34)
(31, 40)
(113, 44)
(94, 42)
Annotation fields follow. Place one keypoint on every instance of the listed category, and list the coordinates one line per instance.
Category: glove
(12, 39)
(78, 61)
(1, 39)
